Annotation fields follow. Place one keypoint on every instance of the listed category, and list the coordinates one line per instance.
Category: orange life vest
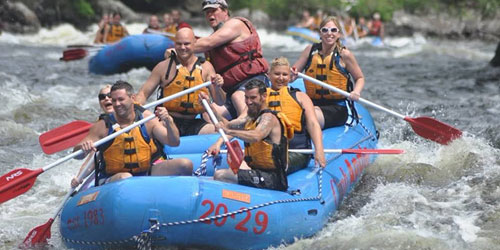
(264, 154)
(328, 70)
(283, 101)
(115, 33)
(184, 79)
(131, 152)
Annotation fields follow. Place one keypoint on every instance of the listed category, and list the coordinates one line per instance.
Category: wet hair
(279, 61)
(338, 46)
(256, 83)
(123, 85)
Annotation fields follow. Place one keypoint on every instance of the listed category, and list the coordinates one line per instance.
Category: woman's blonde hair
(279, 61)
(338, 46)
(105, 87)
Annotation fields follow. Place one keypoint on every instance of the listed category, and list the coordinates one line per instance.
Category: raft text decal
(355, 168)
(91, 217)
(260, 218)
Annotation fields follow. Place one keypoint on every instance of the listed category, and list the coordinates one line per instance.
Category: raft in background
(303, 34)
(134, 51)
(193, 211)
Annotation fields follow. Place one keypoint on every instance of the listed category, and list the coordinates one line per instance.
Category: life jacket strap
(274, 104)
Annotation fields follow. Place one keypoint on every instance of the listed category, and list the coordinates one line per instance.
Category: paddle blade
(73, 54)
(38, 235)
(372, 151)
(433, 129)
(17, 182)
(64, 137)
(235, 155)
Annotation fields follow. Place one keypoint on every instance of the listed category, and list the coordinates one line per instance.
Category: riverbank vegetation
(286, 9)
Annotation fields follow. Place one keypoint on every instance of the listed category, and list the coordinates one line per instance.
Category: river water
(431, 197)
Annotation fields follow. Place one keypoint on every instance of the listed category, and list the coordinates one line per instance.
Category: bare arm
(216, 92)
(353, 67)
(299, 65)
(125, 31)
(266, 124)
(88, 161)
(228, 32)
(96, 132)
(151, 83)
(313, 128)
(165, 131)
(106, 33)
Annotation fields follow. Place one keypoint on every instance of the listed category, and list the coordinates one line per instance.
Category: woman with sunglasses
(107, 107)
(334, 64)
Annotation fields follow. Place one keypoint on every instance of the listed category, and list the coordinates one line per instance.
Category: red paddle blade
(372, 151)
(434, 130)
(38, 235)
(235, 155)
(17, 182)
(74, 54)
(64, 137)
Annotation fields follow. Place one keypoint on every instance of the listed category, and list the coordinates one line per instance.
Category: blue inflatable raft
(135, 51)
(303, 34)
(200, 212)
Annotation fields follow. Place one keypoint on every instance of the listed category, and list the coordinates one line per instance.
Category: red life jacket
(237, 61)
(375, 30)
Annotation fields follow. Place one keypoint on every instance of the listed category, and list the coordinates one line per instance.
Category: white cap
(213, 4)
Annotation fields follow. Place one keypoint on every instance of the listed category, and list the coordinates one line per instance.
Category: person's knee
(185, 166)
(219, 175)
(120, 176)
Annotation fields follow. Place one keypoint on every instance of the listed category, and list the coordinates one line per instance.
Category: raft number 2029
(261, 219)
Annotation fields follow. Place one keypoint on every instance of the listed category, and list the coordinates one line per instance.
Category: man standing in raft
(266, 134)
(133, 153)
(235, 51)
(180, 71)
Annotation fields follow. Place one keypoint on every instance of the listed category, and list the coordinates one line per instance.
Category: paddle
(64, 137)
(235, 156)
(40, 234)
(18, 181)
(76, 54)
(86, 45)
(345, 151)
(426, 127)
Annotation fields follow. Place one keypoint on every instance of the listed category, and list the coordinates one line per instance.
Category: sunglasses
(103, 96)
(332, 30)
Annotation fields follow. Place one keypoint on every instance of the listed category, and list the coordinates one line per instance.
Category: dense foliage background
(285, 9)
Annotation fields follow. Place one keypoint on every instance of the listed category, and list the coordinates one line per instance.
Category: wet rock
(109, 6)
(17, 17)
(443, 25)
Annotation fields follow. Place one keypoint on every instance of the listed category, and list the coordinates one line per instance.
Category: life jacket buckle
(321, 77)
(274, 104)
(187, 105)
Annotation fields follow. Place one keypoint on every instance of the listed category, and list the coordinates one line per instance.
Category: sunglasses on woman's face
(332, 30)
(103, 96)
